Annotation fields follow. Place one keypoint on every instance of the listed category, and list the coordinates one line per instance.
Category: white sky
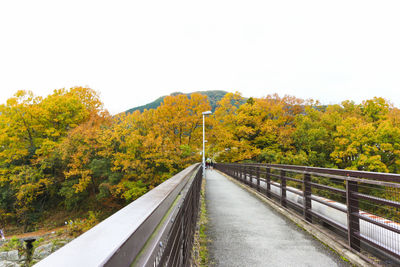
(135, 51)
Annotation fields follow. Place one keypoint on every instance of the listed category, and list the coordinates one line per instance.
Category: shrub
(77, 227)
(13, 244)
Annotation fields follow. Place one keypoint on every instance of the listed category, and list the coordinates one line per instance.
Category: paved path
(247, 232)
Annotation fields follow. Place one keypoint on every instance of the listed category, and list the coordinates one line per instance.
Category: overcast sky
(135, 51)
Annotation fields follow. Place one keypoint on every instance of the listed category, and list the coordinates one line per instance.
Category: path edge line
(318, 233)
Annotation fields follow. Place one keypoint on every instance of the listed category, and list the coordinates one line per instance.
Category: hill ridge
(213, 97)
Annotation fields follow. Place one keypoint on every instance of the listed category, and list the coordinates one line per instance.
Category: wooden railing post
(258, 178)
(353, 222)
(283, 188)
(268, 178)
(307, 197)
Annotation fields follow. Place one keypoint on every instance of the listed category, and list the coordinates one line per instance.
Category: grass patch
(343, 258)
(13, 244)
(200, 248)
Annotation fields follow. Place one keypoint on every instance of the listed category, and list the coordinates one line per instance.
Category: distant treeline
(65, 151)
(289, 130)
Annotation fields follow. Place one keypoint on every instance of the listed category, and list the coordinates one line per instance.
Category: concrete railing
(157, 229)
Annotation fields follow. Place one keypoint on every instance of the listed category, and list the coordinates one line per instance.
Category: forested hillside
(65, 152)
(213, 97)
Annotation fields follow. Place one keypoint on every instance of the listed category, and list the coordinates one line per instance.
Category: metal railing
(157, 229)
(363, 206)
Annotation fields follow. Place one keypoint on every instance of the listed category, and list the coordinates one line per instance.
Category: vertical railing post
(353, 221)
(244, 174)
(283, 188)
(268, 178)
(307, 197)
(258, 178)
(236, 171)
(246, 170)
(251, 175)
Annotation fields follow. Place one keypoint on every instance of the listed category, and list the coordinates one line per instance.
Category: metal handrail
(362, 226)
(154, 230)
(378, 176)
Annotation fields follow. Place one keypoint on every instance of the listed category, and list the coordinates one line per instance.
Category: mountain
(213, 97)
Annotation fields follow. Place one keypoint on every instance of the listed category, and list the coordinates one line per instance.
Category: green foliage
(134, 189)
(72, 199)
(38, 242)
(153, 105)
(13, 244)
(79, 226)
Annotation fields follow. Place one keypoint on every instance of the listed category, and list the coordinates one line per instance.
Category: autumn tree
(32, 128)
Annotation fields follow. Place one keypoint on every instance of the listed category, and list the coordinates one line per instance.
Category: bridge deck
(247, 232)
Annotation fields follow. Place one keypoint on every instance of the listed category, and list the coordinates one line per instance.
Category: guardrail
(364, 206)
(157, 229)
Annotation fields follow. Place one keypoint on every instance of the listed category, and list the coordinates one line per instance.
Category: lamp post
(205, 113)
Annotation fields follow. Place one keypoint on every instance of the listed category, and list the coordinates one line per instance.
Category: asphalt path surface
(245, 231)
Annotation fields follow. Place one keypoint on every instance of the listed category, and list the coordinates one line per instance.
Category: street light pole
(204, 142)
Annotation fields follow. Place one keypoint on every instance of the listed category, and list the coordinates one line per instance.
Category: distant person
(2, 234)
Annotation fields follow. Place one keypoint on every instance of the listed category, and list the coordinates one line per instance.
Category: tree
(32, 129)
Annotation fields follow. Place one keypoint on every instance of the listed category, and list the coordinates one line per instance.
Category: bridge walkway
(244, 231)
